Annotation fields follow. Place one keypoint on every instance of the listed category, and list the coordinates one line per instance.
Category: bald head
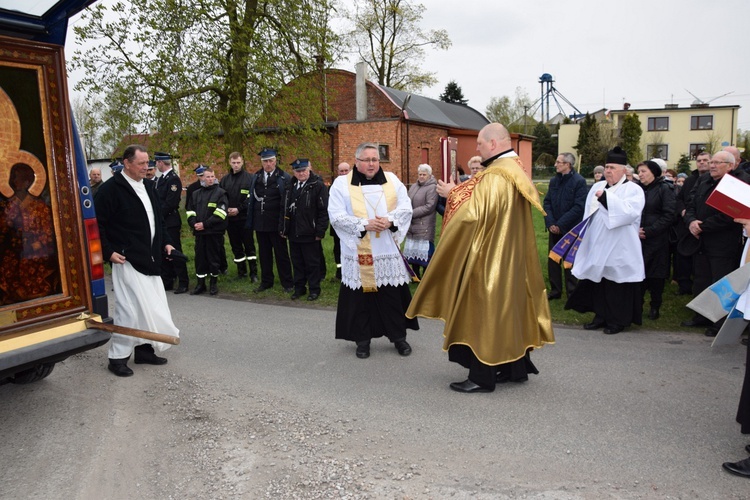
(95, 176)
(343, 168)
(734, 152)
(492, 140)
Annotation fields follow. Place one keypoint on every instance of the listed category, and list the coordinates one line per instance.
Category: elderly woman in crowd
(475, 165)
(598, 173)
(420, 239)
(657, 217)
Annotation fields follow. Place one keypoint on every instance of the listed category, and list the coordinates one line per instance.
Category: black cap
(200, 169)
(116, 166)
(300, 164)
(267, 153)
(162, 156)
(618, 156)
(151, 164)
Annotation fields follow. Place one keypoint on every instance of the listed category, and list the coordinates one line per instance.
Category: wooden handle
(132, 332)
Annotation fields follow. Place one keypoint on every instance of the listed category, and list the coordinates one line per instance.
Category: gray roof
(424, 109)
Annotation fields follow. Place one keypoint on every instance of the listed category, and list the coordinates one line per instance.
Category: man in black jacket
(133, 240)
(169, 188)
(720, 238)
(208, 219)
(237, 185)
(264, 216)
(304, 224)
(564, 204)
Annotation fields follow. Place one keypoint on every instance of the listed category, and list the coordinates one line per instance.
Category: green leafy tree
(201, 71)
(683, 165)
(589, 146)
(630, 138)
(544, 144)
(510, 112)
(453, 94)
(387, 36)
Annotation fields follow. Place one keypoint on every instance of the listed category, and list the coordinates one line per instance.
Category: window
(696, 149)
(658, 123)
(702, 122)
(658, 151)
(384, 152)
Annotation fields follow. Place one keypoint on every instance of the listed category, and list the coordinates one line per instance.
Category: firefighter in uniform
(237, 185)
(208, 219)
(304, 225)
(169, 189)
(264, 217)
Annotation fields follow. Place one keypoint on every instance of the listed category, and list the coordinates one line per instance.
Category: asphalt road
(635, 415)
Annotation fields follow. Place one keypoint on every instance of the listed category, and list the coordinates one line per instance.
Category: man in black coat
(169, 189)
(304, 224)
(237, 184)
(264, 216)
(720, 238)
(133, 237)
(564, 204)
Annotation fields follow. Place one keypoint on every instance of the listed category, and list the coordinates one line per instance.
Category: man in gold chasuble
(485, 281)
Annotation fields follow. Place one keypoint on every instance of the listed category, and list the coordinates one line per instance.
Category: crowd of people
(615, 242)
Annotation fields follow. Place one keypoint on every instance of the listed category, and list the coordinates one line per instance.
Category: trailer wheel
(33, 374)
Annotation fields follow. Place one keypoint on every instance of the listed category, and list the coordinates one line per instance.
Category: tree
(88, 119)
(589, 147)
(453, 94)
(510, 112)
(544, 144)
(386, 35)
(201, 71)
(683, 165)
(630, 138)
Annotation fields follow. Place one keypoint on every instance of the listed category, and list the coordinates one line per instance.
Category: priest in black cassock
(371, 212)
(609, 262)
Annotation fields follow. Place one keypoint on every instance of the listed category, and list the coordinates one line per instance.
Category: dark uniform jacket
(238, 187)
(209, 206)
(720, 235)
(306, 211)
(565, 200)
(265, 204)
(124, 227)
(656, 219)
(192, 188)
(169, 188)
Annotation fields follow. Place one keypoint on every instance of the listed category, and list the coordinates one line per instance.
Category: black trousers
(173, 269)
(270, 245)
(208, 254)
(487, 376)
(241, 241)
(617, 304)
(656, 287)
(556, 271)
(306, 265)
(683, 270)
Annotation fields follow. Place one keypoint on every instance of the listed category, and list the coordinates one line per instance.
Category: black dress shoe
(711, 332)
(594, 325)
(468, 386)
(296, 295)
(313, 296)
(611, 330)
(181, 289)
(363, 351)
(553, 296)
(402, 347)
(696, 322)
(653, 314)
(148, 358)
(263, 288)
(288, 289)
(120, 369)
(741, 468)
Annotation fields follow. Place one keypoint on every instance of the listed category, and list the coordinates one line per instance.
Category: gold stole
(364, 252)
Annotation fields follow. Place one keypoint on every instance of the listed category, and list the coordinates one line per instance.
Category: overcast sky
(600, 53)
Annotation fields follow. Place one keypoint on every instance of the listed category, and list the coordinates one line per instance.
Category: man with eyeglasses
(371, 212)
(719, 238)
(563, 203)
